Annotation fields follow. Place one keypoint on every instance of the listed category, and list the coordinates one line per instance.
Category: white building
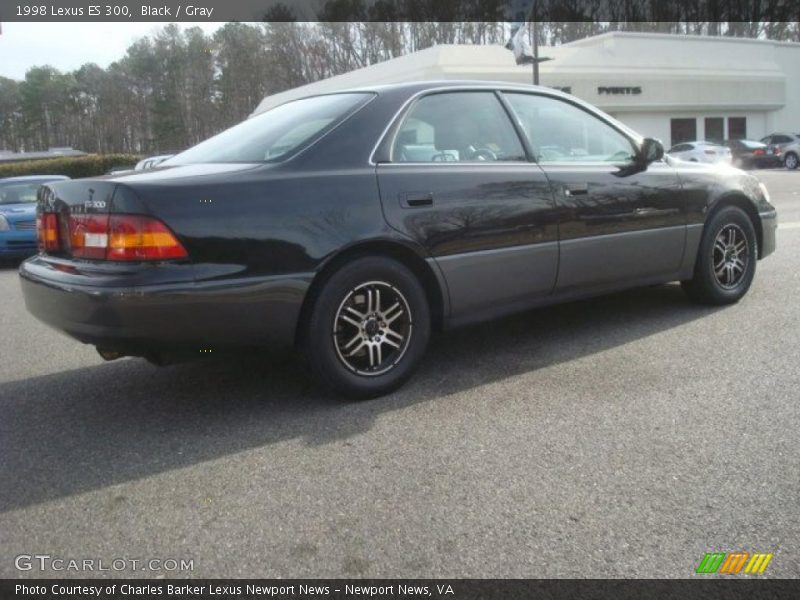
(675, 88)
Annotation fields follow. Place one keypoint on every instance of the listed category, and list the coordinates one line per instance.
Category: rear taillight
(133, 237)
(47, 232)
(111, 237)
(758, 152)
(88, 236)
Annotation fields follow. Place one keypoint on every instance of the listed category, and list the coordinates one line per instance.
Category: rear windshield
(275, 134)
(19, 192)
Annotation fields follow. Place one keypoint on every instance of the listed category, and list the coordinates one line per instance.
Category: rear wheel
(369, 327)
(726, 261)
(791, 161)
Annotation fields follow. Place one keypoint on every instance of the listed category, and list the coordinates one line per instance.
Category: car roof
(33, 178)
(413, 87)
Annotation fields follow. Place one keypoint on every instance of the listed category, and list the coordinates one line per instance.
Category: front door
(619, 224)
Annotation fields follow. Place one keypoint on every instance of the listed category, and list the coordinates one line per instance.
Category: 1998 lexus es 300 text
(352, 224)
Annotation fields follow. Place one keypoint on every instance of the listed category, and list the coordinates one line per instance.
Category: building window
(715, 129)
(683, 130)
(737, 128)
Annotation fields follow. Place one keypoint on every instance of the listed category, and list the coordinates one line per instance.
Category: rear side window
(457, 127)
(275, 134)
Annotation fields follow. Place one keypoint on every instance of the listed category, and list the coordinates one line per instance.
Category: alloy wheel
(372, 328)
(730, 256)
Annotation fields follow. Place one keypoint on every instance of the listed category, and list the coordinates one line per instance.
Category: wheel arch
(739, 200)
(432, 282)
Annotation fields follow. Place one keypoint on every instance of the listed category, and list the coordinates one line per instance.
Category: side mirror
(651, 150)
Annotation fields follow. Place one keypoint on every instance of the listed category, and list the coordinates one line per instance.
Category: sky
(67, 46)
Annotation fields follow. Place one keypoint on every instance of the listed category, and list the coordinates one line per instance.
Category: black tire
(790, 160)
(379, 281)
(708, 286)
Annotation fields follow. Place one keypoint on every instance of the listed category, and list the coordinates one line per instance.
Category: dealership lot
(623, 436)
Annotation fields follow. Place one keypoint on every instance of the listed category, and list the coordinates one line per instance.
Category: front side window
(457, 127)
(275, 134)
(561, 132)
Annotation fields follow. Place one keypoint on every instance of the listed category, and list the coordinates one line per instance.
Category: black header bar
(400, 10)
(708, 588)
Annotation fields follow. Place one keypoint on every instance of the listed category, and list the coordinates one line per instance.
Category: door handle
(576, 189)
(652, 212)
(416, 199)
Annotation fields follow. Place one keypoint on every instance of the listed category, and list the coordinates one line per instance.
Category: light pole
(534, 21)
(522, 50)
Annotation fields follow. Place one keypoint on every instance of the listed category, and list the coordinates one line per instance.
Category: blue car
(18, 214)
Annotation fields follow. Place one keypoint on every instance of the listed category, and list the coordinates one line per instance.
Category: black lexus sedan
(749, 154)
(353, 224)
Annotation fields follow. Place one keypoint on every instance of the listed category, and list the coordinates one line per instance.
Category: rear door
(458, 182)
(619, 223)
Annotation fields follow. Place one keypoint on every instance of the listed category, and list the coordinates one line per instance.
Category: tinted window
(274, 134)
(457, 126)
(559, 131)
(683, 130)
(715, 129)
(781, 139)
(737, 128)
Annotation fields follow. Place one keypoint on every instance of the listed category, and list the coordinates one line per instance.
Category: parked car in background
(18, 214)
(789, 145)
(151, 161)
(749, 154)
(353, 224)
(703, 152)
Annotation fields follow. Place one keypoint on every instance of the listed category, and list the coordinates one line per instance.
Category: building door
(682, 130)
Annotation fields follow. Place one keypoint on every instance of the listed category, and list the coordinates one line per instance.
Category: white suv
(789, 143)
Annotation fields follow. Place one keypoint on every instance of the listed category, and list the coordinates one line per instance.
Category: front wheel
(726, 261)
(369, 328)
(791, 161)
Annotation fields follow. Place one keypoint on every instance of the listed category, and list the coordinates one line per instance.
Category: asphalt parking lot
(618, 437)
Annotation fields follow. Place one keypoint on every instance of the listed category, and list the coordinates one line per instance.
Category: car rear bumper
(159, 315)
(769, 225)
